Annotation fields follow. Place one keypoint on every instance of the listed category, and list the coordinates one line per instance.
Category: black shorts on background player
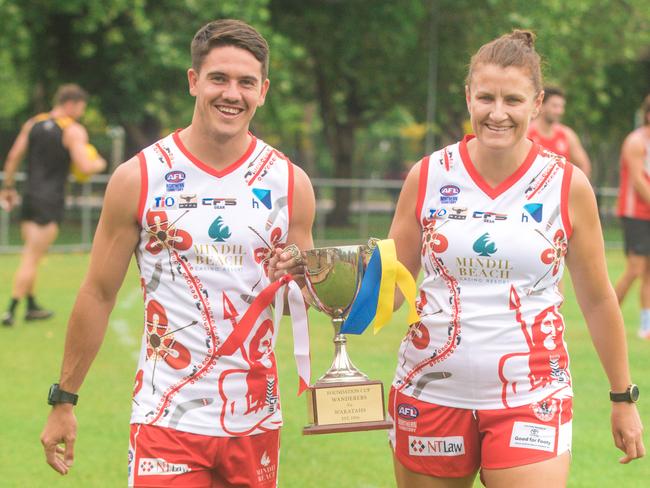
(636, 234)
(39, 212)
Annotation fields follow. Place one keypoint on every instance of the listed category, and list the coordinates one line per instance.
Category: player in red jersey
(547, 131)
(634, 210)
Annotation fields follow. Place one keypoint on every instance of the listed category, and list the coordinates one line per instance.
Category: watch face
(52, 394)
(634, 393)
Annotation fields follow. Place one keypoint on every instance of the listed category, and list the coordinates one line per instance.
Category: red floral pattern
(432, 240)
(263, 254)
(161, 342)
(165, 235)
(553, 255)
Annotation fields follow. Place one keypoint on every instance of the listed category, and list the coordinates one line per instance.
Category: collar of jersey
(209, 169)
(494, 192)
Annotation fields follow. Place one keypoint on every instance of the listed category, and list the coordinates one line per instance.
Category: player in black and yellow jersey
(52, 143)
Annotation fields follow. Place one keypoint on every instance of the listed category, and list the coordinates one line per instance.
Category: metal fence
(372, 207)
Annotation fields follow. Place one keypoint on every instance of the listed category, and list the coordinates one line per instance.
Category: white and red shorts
(163, 457)
(448, 442)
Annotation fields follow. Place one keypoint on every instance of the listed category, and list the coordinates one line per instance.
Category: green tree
(358, 57)
(131, 55)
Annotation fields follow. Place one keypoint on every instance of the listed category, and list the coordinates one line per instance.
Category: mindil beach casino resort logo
(267, 469)
(484, 267)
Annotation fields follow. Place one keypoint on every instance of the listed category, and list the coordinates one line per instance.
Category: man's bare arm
(115, 240)
(8, 195)
(75, 139)
(577, 153)
(632, 154)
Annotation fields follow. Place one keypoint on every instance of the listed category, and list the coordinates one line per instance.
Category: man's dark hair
(70, 92)
(229, 32)
(553, 91)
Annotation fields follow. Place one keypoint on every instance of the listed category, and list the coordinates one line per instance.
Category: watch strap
(630, 395)
(58, 395)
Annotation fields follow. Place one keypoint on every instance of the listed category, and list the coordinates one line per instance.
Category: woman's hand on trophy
(287, 260)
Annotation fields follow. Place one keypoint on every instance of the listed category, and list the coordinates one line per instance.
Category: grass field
(31, 360)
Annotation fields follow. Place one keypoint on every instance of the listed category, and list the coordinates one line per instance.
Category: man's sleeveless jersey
(557, 143)
(48, 161)
(630, 203)
(491, 333)
(203, 257)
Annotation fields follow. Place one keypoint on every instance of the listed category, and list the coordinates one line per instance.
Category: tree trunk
(139, 136)
(343, 147)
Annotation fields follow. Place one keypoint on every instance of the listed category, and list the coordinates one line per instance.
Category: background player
(50, 141)
(634, 210)
(547, 131)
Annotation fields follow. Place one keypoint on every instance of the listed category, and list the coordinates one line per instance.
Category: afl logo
(449, 190)
(175, 176)
(407, 411)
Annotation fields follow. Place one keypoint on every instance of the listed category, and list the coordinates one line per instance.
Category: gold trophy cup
(343, 399)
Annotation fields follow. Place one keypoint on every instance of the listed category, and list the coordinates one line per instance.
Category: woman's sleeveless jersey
(491, 333)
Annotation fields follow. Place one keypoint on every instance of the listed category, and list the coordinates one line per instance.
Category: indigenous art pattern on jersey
(491, 334)
(203, 255)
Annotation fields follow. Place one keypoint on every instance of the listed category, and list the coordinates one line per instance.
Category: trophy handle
(342, 369)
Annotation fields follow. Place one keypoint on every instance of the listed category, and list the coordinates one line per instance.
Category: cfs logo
(407, 411)
(489, 216)
(219, 203)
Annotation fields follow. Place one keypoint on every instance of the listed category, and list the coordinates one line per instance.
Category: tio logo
(164, 202)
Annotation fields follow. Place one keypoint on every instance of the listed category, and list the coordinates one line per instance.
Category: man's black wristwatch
(631, 395)
(56, 395)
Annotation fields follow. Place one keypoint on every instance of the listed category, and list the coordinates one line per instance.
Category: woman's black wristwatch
(631, 395)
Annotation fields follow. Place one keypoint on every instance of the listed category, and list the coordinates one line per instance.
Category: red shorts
(449, 442)
(163, 457)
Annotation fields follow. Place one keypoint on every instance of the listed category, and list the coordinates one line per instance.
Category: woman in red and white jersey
(483, 380)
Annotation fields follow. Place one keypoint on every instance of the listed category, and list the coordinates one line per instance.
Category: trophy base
(346, 407)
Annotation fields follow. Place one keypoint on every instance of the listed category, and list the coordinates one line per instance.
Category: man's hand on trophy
(288, 260)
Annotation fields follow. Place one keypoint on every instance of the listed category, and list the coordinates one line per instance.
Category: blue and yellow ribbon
(374, 303)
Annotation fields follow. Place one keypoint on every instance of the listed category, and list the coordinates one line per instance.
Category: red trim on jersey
(265, 161)
(164, 155)
(564, 199)
(290, 191)
(144, 186)
(209, 169)
(446, 156)
(422, 187)
(494, 192)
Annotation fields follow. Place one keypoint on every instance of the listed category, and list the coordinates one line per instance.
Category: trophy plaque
(343, 399)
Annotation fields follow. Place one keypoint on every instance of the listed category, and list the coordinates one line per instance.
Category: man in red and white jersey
(204, 209)
(634, 211)
(547, 131)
